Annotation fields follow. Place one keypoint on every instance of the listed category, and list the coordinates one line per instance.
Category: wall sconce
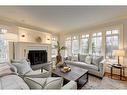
(23, 35)
(48, 39)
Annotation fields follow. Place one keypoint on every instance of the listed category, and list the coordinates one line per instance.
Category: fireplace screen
(37, 56)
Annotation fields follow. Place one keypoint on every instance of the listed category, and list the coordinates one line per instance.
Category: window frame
(54, 39)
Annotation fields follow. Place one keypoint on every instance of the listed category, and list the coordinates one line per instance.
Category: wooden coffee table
(76, 74)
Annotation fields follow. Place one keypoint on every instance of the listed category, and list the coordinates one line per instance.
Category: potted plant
(59, 49)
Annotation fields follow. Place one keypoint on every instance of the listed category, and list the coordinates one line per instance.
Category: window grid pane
(112, 43)
(84, 44)
(97, 43)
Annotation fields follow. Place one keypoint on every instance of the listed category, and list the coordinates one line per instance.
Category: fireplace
(37, 56)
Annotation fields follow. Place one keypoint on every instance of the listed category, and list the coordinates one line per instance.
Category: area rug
(105, 83)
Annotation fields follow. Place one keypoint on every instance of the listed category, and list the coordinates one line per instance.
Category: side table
(121, 69)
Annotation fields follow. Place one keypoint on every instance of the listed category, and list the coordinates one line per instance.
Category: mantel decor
(38, 39)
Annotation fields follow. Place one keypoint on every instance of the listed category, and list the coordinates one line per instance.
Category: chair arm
(70, 85)
(101, 65)
(102, 62)
(13, 68)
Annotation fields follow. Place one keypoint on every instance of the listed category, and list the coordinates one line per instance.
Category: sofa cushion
(23, 67)
(44, 83)
(83, 65)
(81, 57)
(88, 59)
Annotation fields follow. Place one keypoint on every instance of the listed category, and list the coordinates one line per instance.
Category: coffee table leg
(120, 74)
(111, 72)
(41, 70)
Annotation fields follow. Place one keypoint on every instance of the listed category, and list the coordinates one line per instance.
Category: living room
(63, 47)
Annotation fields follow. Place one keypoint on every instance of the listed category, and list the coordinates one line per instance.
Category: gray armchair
(23, 69)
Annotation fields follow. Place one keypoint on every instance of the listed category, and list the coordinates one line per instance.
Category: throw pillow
(81, 57)
(74, 58)
(54, 83)
(35, 83)
(44, 83)
(88, 59)
(23, 67)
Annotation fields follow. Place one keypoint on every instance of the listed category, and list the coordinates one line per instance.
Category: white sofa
(95, 65)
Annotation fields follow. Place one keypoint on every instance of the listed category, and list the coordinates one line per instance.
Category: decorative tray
(65, 70)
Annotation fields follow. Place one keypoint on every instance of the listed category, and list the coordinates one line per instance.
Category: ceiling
(62, 18)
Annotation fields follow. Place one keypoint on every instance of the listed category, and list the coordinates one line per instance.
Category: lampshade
(119, 53)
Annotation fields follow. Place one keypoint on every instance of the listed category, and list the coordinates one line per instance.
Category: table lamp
(119, 53)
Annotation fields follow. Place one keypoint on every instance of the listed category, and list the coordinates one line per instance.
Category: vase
(58, 58)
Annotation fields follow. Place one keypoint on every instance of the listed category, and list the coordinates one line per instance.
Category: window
(68, 45)
(75, 45)
(3, 49)
(54, 50)
(84, 44)
(112, 42)
(97, 43)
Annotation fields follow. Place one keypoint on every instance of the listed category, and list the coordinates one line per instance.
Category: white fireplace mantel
(22, 49)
